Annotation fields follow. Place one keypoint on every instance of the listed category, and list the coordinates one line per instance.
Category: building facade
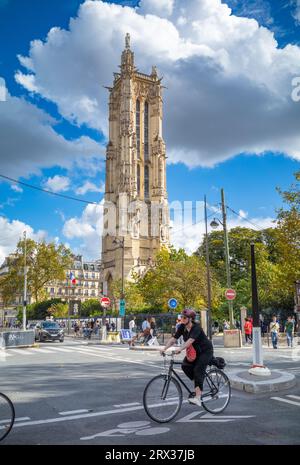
(87, 286)
(136, 216)
(87, 282)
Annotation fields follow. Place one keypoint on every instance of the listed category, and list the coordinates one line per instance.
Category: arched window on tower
(138, 128)
(146, 131)
(146, 182)
(138, 179)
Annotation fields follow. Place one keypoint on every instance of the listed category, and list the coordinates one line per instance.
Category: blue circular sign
(172, 303)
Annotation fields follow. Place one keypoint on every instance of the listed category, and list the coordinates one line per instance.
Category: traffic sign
(105, 302)
(122, 307)
(172, 303)
(230, 294)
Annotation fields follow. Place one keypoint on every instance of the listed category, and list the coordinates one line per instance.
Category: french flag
(72, 278)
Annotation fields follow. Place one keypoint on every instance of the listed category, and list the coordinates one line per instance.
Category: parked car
(49, 330)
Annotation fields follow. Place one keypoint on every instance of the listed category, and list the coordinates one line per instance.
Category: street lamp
(215, 224)
(121, 243)
(208, 276)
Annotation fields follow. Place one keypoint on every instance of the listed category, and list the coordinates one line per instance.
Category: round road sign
(105, 301)
(230, 294)
(172, 303)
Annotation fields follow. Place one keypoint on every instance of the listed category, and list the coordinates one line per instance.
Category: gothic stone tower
(136, 207)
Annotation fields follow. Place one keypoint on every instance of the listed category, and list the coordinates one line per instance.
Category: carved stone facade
(136, 206)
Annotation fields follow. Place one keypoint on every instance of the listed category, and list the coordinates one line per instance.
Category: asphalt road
(74, 393)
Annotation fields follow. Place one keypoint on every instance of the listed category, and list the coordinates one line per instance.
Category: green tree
(46, 263)
(90, 307)
(39, 310)
(177, 275)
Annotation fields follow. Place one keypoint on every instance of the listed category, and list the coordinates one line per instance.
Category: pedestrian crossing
(29, 351)
(94, 352)
(288, 399)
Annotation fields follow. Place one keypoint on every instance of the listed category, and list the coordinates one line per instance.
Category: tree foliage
(46, 263)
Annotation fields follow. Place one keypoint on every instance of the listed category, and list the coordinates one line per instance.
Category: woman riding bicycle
(199, 351)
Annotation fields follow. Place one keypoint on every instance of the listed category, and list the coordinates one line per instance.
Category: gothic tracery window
(138, 128)
(138, 179)
(146, 131)
(146, 182)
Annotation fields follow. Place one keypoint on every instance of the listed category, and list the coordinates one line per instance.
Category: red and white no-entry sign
(230, 294)
(105, 301)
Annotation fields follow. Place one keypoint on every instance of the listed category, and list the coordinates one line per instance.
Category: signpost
(172, 303)
(105, 302)
(230, 294)
(122, 307)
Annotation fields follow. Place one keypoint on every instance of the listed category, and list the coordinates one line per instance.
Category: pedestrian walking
(274, 330)
(76, 329)
(289, 331)
(178, 323)
(248, 330)
(113, 326)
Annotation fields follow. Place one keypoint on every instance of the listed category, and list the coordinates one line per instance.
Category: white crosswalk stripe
(24, 352)
(287, 401)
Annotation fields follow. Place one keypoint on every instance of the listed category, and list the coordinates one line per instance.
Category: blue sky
(229, 120)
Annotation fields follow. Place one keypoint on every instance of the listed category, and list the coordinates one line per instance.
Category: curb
(259, 385)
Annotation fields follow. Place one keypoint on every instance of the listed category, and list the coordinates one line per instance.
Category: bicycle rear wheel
(7, 415)
(216, 391)
(162, 398)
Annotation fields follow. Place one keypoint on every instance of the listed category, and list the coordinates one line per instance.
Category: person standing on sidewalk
(289, 330)
(274, 329)
(248, 330)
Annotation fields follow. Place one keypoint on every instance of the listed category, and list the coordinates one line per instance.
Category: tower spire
(127, 41)
(127, 61)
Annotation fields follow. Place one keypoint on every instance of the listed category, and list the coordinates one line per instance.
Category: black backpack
(218, 362)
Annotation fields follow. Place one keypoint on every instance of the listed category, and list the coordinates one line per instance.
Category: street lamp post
(25, 284)
(214, 225)
(121, 243)
(208, 275)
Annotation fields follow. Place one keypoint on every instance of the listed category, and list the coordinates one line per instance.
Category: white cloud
(191, 235)
(297, 11)
(57, 183)
(90, 187)
(28, 142)
(11, 232)
(3, 91)
(229, 85)
(88, 229)
(157, 7)
(16, 188)
(243, 214)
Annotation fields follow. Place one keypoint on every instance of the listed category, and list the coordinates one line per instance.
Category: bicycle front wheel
(216, 391)
(162, 398)
(7, 415)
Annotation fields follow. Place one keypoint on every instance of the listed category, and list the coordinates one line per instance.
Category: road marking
(16, 419)
(127, 405)
(140, 428)
(43, 351)
(72, 412)
(109, 357)
(60, 349)
(77, 417)
(294, 397)
(209, 418)
(280, 399)
(21, 351)
(4, 354)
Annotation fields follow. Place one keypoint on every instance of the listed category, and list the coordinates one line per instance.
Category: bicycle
(163, 395)
(7, 415)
